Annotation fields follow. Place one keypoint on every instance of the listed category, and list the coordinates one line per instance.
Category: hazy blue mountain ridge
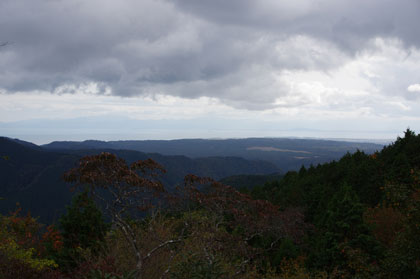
(32, 176)
(286, 154)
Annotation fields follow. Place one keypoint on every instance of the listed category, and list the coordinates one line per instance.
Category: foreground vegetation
(358, 217)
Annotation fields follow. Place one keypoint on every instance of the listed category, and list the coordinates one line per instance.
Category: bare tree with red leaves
(255, 218)
(123, 190)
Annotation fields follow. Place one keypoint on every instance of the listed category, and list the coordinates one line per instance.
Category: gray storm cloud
(223, 49)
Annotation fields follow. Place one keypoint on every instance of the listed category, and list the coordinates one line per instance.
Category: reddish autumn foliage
(386, 221)
(14, 269)
(122, 189)
(254, 217)
(130, 186)
(53, 237)
(25, 229)
(24, 248)
(234, 222)
(28, 233)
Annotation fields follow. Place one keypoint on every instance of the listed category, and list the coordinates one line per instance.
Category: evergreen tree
(342, 232)
(83, 227)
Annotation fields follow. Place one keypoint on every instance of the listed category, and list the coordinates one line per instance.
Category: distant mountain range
(285, 153)
(32, 174)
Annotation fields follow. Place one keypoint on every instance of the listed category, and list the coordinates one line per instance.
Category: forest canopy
(357, 217)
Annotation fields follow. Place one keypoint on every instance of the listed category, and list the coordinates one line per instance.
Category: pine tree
(343, 234)
(83, 227)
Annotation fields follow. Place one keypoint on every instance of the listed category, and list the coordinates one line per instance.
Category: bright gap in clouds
(414, 87)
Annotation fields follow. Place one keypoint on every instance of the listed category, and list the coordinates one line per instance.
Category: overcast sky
(237, 68)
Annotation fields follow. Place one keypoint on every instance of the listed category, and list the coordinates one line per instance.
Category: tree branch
(151, 252)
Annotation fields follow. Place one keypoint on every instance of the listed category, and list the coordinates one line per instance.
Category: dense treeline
(364, 209)
(358, 217)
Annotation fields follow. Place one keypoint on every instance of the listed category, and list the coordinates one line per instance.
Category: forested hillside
(364, 209)
(357, 217)
(32, 176)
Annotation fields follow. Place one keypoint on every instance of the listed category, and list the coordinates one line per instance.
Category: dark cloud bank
(190, 48)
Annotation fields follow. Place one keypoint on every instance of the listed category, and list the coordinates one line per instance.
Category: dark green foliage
(83, 227)
(342, 227)
(341, 241)
(400, 157)
(361, 217)
(313, 188)
(285, 250)
(14, 269)
(246, 182)
(83, 224)
(403, 258)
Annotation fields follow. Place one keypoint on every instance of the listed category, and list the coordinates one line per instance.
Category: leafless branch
(166, 243)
